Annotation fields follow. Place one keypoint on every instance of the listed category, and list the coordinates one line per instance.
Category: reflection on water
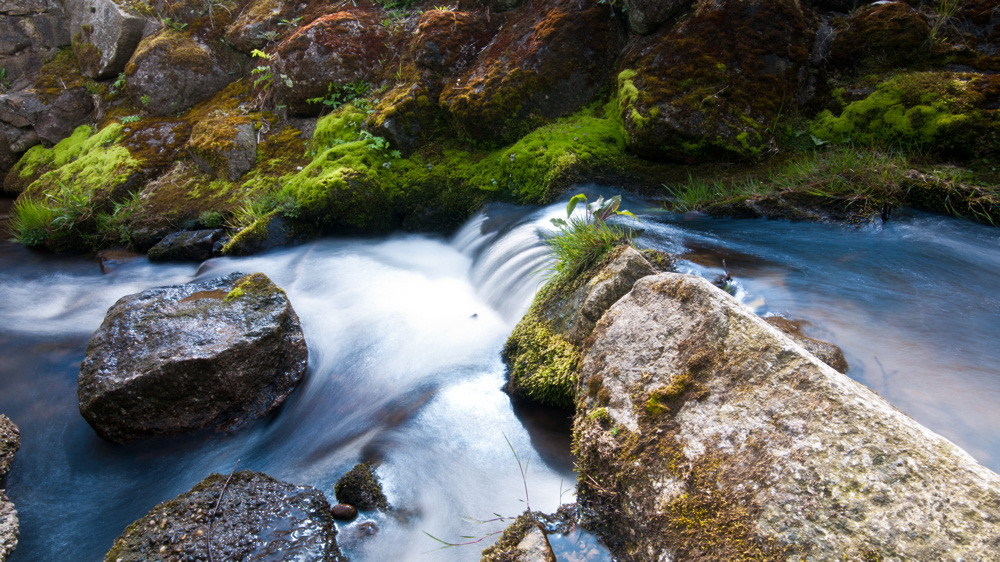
(404, 336)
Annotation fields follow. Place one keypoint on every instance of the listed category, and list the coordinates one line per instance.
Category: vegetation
(582, 241)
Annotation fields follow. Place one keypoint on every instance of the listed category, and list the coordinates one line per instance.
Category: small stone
(344, 512)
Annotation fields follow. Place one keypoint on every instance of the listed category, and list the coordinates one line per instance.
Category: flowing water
(404, 335)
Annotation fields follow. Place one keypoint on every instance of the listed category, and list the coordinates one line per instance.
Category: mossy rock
(952, 114)
(361, 488)
(882, 36)
(717, 86)
(224, 147)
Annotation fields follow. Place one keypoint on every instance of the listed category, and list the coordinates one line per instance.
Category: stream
(404, 336)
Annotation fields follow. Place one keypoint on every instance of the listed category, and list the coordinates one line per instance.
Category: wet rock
(115, 258)
(189, 245)
(31, 31)
(542, 354)
(713, 86)
(522, 541)
(269, 231)
(10, 442)
(224, 147)
(105, 35)
(171, 72)
(218, 353)
(361, 488)
(258, 518)
(824, 351)
(645, 16)
(352, 536)
(548, 60)
(337, 49)
(344, 512)
(706, 430)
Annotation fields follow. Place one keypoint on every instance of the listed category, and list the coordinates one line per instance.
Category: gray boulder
(171, 72)
(705, 432)
(104, 36)
(30, 33)
(225, 147)
(188, 245)
(218, 353)
(10, 442)
(542, 354)
(645, 16)
(258, 518)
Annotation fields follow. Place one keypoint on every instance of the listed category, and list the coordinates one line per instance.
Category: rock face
(542, 354)
(337, 49)
(710, 86)
(824, 351)
(171, 72)
(218, 353)
(547, 62)
(104, 36)
(361, 488)
(644, 16)
(707, 433)
(10, 442)
(30, 33)
(224, 147)
(258, 518)
(193, 245)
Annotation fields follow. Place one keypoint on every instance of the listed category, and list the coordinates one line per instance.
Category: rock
(361, 488)
(842, 6)
(705, 430)
(10, 442)
(549, 60)
(713, 86)
(171, 72)
(337, 50)
(645, 16)
(224, 147)
(522, 541)
(31, 31)
(189, 245)
(344, 512)
(258, 518)
(218, 353)
(882, 36)
(824, 351)
(257, 23)
(114, 258)
(542, 354)
(104, 36)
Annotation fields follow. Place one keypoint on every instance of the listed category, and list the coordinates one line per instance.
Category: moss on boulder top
(361, 488)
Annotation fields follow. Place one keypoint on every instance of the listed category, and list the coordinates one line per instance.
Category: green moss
(600, 415)
(361, 488)
(546, 366)
(505, 549)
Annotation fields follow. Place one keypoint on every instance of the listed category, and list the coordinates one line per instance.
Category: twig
(211, 518)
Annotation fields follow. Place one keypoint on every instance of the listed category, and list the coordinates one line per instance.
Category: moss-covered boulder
(548, 61)
(441, 48)
(360, 487)
(954, 114)
(881, 36)
(224, 147)
(645, 16)
(243, 516)
(33, 30)
(105, 35)
(219, 353)
(172, 71)
(543, 352)
(718, 84)
(334, 50)
(705, 432)
(259, 23)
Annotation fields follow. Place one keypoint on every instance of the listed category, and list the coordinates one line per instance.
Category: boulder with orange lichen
(548, 60)
(716, 85)
(172, 71)
(337, 49)
(444, 44)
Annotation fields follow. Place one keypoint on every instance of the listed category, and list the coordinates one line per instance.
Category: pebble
(344, 512)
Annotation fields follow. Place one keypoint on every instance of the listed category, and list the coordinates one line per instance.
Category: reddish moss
(880, 37)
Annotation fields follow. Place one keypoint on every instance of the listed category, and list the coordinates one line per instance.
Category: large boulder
(105, 35)
(705, 432)
(257, 518)
(30, 33)
(10, 442)
(218, 353)
(549, 60)
(224, 147)
(715, 85)
(645, 16)
(880, 37)
(542, 353)
(334, 50)
(172, 71)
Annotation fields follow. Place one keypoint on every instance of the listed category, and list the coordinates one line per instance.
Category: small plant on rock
(581, 241)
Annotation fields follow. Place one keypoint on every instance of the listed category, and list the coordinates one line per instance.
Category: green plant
(113, 228)
(337, 95)
(30, 222)
(264, 80)
(130, 119)
(174, 24)
(294, 22)
(270, 35)
(145, 100)
(582, 241)
(944, 12)
(211, 219)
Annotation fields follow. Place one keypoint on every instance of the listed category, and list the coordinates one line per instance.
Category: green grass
(30, 222)
(581, 242)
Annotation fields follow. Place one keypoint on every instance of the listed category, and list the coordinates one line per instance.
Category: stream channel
(404, 337)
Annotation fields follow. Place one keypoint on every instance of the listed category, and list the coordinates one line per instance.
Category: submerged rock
(542, 354)
(218, 353)
(361, 488)
(258, 518)
(10, 442)
(707, 432)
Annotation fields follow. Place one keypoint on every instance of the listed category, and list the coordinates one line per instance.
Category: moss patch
(360, 487)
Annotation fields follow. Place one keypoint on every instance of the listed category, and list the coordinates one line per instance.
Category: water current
(404, 336)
